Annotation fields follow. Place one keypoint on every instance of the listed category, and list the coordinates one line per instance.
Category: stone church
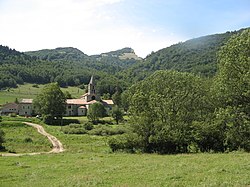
(74, 107)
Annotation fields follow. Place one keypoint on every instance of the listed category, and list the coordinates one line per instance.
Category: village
(74, 107)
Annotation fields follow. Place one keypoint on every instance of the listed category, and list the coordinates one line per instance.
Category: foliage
(198, 56)
(2, 139)
(51, 102)
(116, 97)
(232, 91)
(163, 108)
(117, 114)
(105, 130)
(129, 142)
(74, 129)
(95, 112)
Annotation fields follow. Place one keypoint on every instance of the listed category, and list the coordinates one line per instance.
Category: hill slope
(196, 55)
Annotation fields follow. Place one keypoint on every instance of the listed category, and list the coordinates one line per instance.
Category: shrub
(129, 142)
(28, 140)
(74, 129)
(103, 130)
(2, 134)
(88, 126)
(35, 86)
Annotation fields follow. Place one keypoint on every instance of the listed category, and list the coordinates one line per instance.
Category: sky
(98, 26)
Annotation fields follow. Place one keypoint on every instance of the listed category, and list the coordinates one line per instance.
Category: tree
(96, 111)
(51, 102)
(232, 91)
(117, 114)
(233, 80)
(116, 97)
(163, 108)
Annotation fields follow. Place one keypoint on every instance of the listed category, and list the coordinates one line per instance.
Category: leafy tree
(232, 91)
(51, 102)
(163, 108)
(233, 80)
(96, 111)
(117, 114)
(125, 100)
(116, 97)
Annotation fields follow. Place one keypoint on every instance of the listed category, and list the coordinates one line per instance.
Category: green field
(27, 91)
(21, 138)
(88, 161)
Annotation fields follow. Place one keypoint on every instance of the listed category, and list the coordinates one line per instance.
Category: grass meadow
(27, 91)
(88, 161)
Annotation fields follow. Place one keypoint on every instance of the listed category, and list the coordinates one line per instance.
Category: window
(69, 107)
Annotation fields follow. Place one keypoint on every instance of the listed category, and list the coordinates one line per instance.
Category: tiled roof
(26, 101)
(76, 102)
(10, 105)
(91, 102)
(84, 95)
(109, 101)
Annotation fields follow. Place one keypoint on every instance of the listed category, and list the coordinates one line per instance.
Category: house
(74, 107)
(26, 108)
(9, 108)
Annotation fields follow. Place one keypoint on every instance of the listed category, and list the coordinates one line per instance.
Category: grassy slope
(88, 162)
(27, 91)
(21, 138)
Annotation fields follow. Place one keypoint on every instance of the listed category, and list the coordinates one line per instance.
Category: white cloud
(89, 25)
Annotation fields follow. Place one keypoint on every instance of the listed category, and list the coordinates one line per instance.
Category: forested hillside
(71, 67)
(197, 56)
(67, 66)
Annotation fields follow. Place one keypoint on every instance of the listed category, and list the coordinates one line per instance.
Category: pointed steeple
(91, 86)
(91, 80)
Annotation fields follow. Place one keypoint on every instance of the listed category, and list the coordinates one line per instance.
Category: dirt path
(57, 145)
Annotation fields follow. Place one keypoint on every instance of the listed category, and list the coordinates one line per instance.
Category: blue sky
(96, 26)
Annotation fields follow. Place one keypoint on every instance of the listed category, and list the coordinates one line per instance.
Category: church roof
(76, 102)
(26, 101)
(109, 102)
(91, 80)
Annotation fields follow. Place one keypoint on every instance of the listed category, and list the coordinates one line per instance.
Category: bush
(35, 86)
(103, 130)
(48, 119)
(129, 142)
(28, 140)
(2, 134)
(74, 129)
(88, 126)
(59, 122)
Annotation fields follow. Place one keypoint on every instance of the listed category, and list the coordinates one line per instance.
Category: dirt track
(57, 145)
